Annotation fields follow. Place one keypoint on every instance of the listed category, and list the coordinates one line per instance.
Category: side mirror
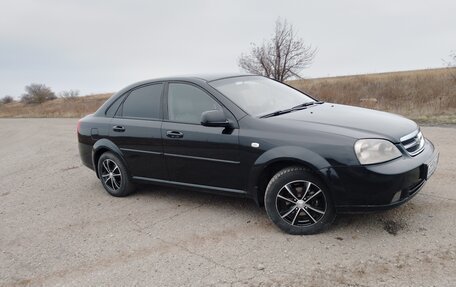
(215, 118)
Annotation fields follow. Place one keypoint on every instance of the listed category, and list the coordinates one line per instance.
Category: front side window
(186, 103)
(259, 95)
(143, 102)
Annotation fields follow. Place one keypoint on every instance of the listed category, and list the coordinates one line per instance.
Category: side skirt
(198, 187)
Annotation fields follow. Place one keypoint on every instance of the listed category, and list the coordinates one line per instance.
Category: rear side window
(113, 108)
(186, 103)
(143, 102)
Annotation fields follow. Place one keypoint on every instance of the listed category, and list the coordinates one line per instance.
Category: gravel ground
(59, 227)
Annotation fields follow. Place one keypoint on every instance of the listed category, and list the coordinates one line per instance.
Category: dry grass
(59, 108)
(424, 95)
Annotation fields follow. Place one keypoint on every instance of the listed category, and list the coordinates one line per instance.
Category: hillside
(424, 95)
(59, 108)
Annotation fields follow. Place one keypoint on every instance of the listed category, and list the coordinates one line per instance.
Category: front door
(196, 154)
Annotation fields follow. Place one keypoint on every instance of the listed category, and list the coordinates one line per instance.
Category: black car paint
(223, 160)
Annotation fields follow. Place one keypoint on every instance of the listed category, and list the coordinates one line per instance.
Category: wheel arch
(105, 145)
(274, 160)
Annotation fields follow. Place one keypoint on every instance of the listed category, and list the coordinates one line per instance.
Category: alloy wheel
(111, 175)
(301, 203)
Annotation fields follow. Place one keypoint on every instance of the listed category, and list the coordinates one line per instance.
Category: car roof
(191, 78)
(215, 76)
(200, 77)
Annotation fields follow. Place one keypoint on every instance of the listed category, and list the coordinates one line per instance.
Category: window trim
(127, 94)
(165, 104)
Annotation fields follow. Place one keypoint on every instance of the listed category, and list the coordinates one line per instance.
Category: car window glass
(259, 95)
(143, 102)
(113, 108)
(186, 103)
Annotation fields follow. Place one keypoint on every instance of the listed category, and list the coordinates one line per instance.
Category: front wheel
(113, 175)
(298, 202)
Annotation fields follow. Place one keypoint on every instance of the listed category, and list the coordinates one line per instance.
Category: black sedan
(243, 135)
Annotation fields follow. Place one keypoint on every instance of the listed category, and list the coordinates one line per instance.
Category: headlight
(371, 151)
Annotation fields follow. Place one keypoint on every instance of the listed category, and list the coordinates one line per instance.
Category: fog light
(396, 196)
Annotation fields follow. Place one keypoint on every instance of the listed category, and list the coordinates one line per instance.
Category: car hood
(349, 121)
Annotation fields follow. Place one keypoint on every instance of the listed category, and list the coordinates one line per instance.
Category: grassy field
(427, 96)
(59, 108)
(424, 95)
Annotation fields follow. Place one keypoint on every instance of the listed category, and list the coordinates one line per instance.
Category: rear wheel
(298, 202)
(113, 175)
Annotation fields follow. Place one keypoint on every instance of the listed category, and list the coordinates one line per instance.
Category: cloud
(98, 46)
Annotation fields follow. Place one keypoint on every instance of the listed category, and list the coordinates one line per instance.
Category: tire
(298, 202)
(114, 176)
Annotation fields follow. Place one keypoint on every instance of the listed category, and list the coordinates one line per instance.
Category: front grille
(413, 143)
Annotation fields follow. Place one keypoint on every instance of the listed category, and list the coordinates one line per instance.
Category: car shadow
(390, 221)
(394, 221)
(193, 197)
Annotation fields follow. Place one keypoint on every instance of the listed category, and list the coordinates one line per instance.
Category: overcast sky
(101, 46)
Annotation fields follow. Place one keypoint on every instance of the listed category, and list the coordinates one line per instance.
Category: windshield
(259, 95)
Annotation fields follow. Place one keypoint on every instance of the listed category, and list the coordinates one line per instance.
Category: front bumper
(381, 186)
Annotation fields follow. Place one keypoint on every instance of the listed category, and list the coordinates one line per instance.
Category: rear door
(196, 154)
(136, 130)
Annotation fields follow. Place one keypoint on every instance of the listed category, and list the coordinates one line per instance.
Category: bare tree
(69, 95)
(37, 94)
(7, 100)
(282, 57)
(451, 64)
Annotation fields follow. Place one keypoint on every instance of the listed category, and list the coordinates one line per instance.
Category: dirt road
(59, 227)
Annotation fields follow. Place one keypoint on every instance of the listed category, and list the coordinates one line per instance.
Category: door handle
(118, 128)
(174, 134)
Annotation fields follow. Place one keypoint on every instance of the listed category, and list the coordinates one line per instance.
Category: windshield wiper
(306, 104)
(295, 108)
(276, 113)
